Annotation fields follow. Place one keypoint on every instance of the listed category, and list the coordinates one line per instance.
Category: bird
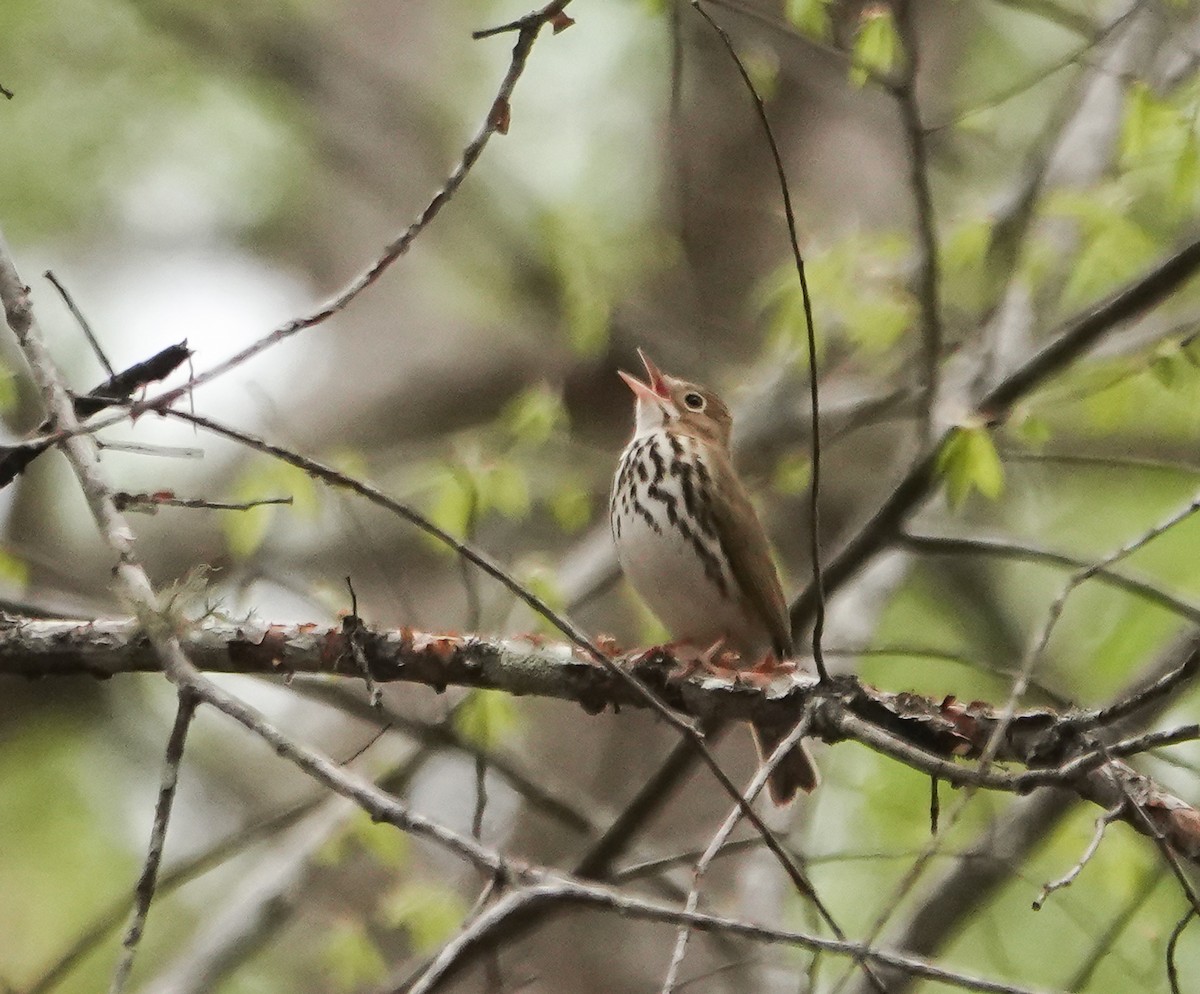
(690, 542)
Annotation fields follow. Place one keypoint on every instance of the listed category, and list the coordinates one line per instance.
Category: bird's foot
(691, 659)
(765, 670)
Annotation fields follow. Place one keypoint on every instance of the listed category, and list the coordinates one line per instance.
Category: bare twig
(151, 502)
(1172, 944)
(1068, 878)
(148, 881)
(1010, 549)
(904, 88)
(82, 321)
(814, 490)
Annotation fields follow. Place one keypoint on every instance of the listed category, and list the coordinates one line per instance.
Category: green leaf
(969, 461)
(877, 321)
(386, 843)
(534, 415)
(1186, 179)
(1115, 247)
(1136, 125)
(1149, 125)
(965, 247)
(504, 489)
(454, 499)
(429, 913)
(13, 571)
(762, 66)
(245, 531)
(351, 959)
(792, 474)
(1034, 431)
(810, 17)
(858, 290)
(1173, 365)
(486, 717)
(543, 583)
(875, 47)
(9, 395)
(571, 506)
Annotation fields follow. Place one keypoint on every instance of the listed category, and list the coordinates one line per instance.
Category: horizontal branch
(1071, 750)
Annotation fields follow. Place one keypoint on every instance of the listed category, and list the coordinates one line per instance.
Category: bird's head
(668, 402)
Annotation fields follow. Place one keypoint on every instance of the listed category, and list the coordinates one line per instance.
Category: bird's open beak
(655, 391)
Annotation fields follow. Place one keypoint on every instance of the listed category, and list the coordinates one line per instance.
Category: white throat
(650, 417)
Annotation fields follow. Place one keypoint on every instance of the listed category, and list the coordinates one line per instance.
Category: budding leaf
(875, 47)
(351, 959)
(486, 717)
(969, 461)
(429, 913)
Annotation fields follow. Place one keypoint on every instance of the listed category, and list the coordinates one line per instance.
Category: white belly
(673, 559)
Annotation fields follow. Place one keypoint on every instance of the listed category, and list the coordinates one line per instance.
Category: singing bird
(690, 542)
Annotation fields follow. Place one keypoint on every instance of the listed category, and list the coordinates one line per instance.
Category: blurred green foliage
(567, 224)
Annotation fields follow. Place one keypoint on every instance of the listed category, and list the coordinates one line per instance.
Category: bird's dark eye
(693, 401)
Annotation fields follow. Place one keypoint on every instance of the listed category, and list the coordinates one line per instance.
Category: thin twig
(148, 881)
(1068, 878)
(352, 629)
(1172, 943)
(151, 502)
(82, 321)
(527, 30)
(717, 843)
(814, 490)
(1005, 548)
(904, 89)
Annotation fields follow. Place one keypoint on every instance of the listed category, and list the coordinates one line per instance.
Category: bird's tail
(796, 771)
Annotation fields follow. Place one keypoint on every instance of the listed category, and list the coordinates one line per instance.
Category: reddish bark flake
(501, 116)
(441, 646)
(161, 495)
(560, 22)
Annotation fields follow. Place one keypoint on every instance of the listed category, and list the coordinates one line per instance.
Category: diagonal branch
(1072, 340)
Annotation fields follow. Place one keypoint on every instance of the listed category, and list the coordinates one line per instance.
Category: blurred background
(207, 170)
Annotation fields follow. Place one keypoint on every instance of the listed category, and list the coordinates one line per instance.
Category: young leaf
(386, 843)
(571, 506)
(762, 66)
(810, 17)
(351, 959)
(486, 717)
(13, 571)
(534, 415)
(245, 531)
(875, 47)
(428, 912)
(1033, 431)
(792, 473)
(503, 487)
(969, 461)
(1187, 170)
